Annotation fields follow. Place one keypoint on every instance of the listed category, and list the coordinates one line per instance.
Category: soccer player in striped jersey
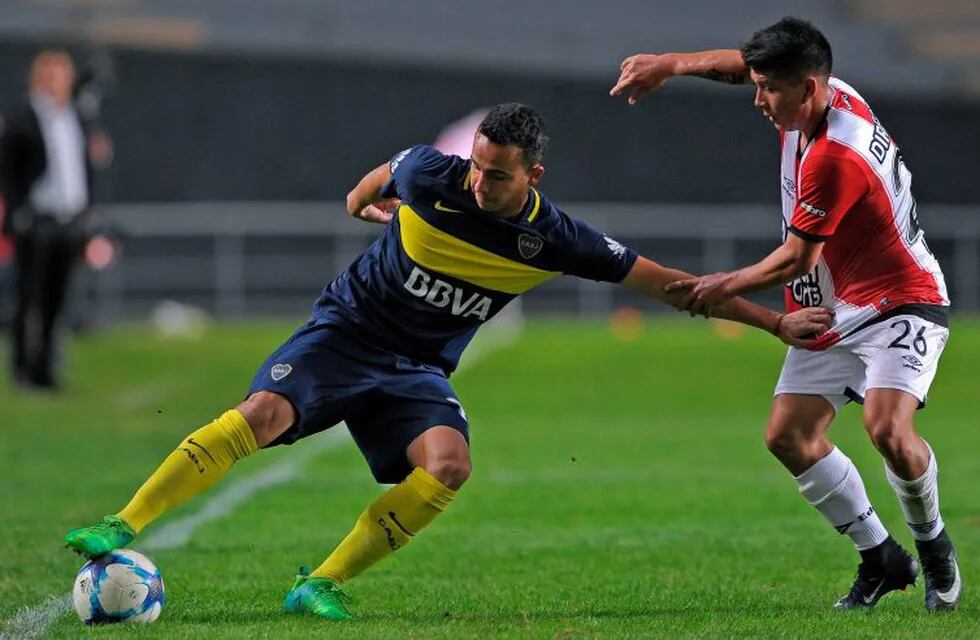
(852, 243)
(465, 238)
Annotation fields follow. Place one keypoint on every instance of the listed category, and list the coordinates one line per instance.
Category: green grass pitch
(620, 490)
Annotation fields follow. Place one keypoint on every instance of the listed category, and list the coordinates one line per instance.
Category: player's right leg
(911, 469)
(900, 371)
(197, 463)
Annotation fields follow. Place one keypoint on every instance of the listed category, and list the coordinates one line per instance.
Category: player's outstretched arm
(365, 202)
(790, 260)
(797, 328)
(646, 72)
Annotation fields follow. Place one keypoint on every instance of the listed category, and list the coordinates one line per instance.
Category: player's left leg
(441, 461)
(902, 356)
(911, 469)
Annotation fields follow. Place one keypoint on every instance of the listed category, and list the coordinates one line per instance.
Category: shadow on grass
(564, 615)
(248, 616)
(495, 617)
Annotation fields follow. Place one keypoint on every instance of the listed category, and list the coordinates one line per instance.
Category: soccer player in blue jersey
(467, 237)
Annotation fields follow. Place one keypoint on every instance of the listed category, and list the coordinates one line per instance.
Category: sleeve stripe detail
(809, 237)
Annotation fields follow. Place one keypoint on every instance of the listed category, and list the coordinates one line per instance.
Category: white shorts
(900, 352)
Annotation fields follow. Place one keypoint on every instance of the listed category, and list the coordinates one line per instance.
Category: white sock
(920, 500)
(833, 485)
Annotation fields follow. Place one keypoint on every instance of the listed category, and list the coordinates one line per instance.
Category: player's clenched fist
(800, 328)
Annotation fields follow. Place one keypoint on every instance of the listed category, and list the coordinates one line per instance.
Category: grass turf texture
(620, 489)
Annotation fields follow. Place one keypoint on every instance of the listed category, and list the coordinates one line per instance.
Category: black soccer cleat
(942, 575)
(885, 568)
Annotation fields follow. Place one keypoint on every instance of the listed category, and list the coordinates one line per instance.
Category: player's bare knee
(451, 471)
(268, 414)
(889, 434)
(782, 441)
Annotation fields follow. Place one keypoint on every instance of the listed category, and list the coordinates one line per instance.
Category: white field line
(33, 622)
(144, 395)
(175, 534)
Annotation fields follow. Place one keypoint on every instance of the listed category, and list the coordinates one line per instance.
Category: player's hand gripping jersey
(443, 267)
(850, 189)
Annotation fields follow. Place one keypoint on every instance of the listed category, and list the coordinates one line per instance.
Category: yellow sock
(387, 525)
(200, 460)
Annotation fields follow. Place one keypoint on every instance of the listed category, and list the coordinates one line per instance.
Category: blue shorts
(386, 400)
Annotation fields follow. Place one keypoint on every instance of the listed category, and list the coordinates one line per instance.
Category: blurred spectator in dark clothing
(47, 154)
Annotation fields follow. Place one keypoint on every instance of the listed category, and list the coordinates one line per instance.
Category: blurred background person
(47, 155)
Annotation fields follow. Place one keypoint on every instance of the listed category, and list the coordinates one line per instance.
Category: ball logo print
(280, 371)
(121, 586)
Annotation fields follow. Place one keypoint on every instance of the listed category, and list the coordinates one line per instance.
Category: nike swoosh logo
(394, 518)
(201, 447)
(950, 596)
(870, 598)
(441, 207)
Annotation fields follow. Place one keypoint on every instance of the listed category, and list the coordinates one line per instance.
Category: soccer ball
(120, 586)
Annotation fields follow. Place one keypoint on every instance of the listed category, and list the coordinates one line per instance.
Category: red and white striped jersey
(849, 188)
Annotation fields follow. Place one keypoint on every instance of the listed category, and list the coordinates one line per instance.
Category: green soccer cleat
(319, 596)
(92, 542)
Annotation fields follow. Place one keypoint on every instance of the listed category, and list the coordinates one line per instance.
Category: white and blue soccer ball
(120, 586)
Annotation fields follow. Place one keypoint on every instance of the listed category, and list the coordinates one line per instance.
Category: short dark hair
(517, 124)
(790, 49)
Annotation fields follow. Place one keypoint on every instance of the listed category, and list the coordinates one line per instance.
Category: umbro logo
(441, 207)
(924, 527)
(913, 363)
(789, 187)
(912, 360)
(809, 208)
(842, 528)
(280, 371)
(529, 246)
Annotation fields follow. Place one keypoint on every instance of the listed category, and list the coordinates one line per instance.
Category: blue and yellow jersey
(443, 267)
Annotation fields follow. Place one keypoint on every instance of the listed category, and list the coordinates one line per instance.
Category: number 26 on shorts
(918, 343)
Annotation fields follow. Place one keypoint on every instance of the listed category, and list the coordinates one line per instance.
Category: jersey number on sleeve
(899, 171)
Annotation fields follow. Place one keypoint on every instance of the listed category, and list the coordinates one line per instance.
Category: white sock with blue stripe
(919, 499)
(834, 486)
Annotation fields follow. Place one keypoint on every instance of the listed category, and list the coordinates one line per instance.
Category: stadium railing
(238, 259)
